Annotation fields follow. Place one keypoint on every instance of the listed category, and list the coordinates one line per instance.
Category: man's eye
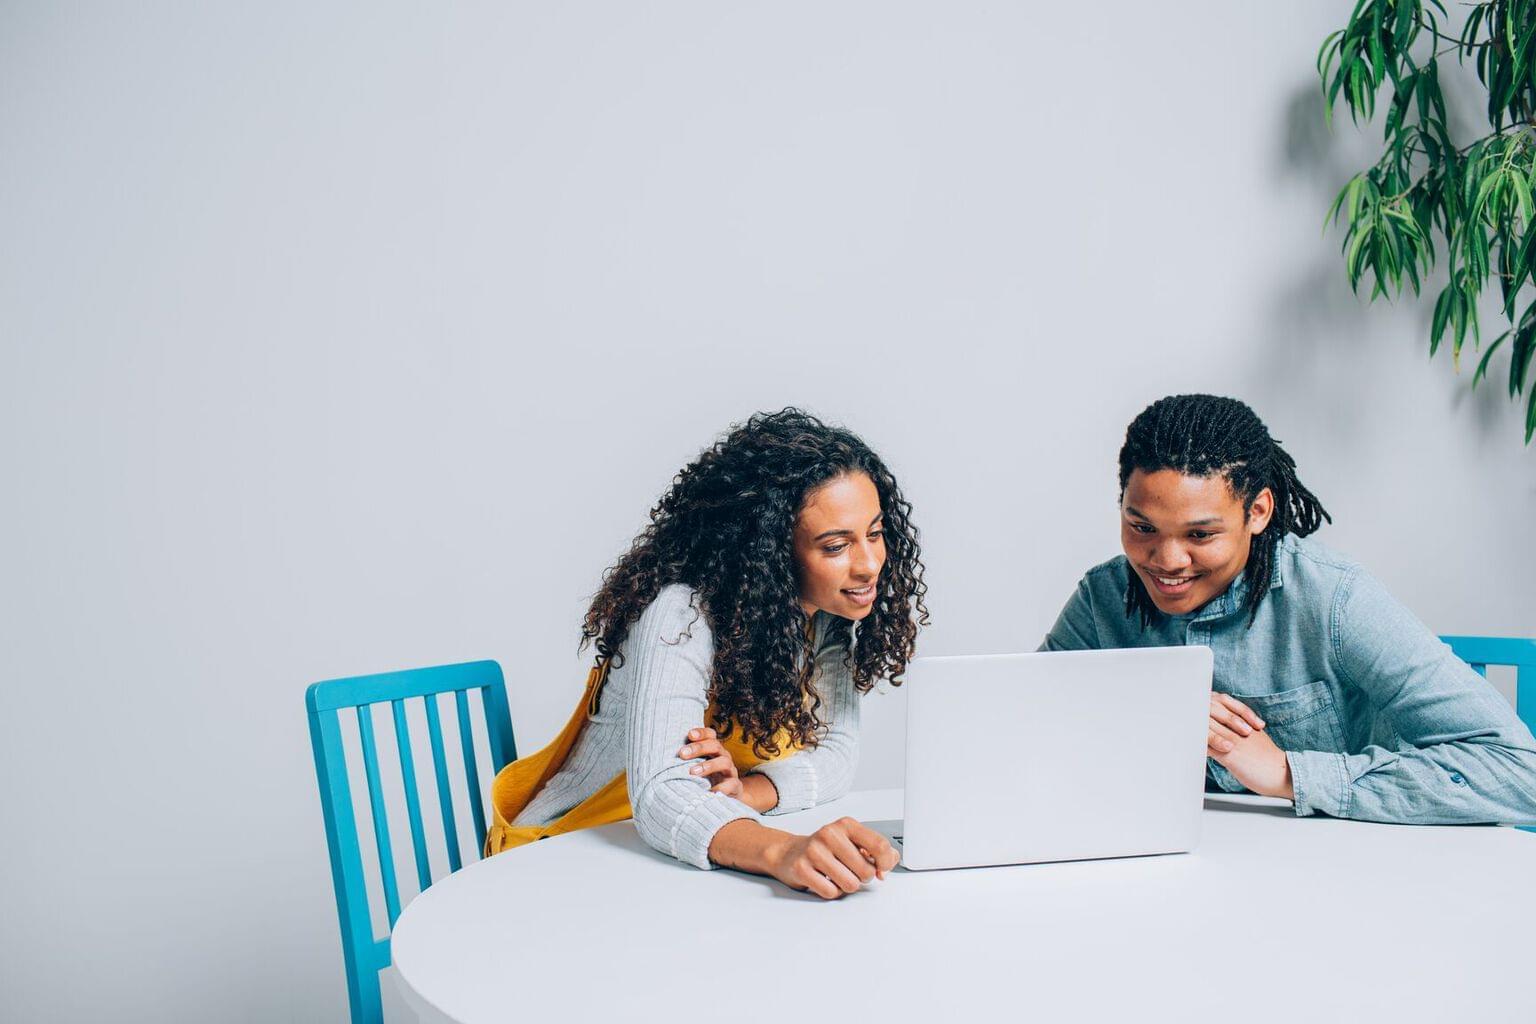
(1142, 528)
(1200, 534)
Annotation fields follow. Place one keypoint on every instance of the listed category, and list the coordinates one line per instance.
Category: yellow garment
(520, 781)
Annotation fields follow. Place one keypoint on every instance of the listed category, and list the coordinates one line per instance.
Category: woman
(1327, 691)
(727, 678)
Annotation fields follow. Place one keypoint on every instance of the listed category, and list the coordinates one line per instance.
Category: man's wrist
(1286, 790)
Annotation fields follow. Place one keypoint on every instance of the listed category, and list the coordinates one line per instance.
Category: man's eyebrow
(1207, 521)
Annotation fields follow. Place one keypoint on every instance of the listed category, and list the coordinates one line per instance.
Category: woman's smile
(863, 595)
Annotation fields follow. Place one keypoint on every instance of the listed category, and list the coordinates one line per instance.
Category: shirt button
(1456, 778)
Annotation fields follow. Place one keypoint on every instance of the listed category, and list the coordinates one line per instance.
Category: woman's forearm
(758, 792)
(746, 845)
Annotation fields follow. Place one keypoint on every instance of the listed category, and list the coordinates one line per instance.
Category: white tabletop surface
(1272, 918)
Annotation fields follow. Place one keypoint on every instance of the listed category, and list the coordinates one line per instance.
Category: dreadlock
(1201, 435)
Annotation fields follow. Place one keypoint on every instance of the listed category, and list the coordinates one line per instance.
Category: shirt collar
(1233, 599)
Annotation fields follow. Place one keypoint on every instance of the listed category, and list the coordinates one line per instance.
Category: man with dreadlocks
(1327, 691)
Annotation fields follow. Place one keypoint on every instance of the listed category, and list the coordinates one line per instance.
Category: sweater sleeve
(824, 772)
(672, 652)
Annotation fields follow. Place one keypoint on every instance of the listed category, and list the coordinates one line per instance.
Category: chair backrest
(1482, 651)
(364, 955)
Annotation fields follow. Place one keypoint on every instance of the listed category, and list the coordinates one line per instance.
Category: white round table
(1272, 918)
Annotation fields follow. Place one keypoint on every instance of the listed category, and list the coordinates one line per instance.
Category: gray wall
(349, 337)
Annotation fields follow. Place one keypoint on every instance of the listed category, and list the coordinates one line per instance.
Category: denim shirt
(1378, 719)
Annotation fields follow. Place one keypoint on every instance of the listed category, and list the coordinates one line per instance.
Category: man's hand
(1257, 763)
(1231, 720)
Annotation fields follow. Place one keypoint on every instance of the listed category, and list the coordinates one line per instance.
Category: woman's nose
(866, 562)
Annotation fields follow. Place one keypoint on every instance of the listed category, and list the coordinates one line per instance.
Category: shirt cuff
(795, 779)
(695, 828)
(1320, 782)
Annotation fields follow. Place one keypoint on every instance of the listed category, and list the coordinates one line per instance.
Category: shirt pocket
(1305, 718)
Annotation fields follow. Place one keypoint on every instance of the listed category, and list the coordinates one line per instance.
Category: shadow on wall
(1320, 339)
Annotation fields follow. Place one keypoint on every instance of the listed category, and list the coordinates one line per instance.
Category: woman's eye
(878, 535)
(835, 549)
(1199, 534)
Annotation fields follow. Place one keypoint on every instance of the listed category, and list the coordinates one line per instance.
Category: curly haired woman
(728, 674)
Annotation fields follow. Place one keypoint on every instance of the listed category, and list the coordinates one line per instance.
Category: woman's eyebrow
(843, 533)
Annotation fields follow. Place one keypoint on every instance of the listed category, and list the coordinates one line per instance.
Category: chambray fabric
(1379, 720)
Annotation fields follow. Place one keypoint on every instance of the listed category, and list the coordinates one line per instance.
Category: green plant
(1475, 198)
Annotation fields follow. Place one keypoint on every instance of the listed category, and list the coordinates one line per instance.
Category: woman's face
(1186, 536)
(840, 547)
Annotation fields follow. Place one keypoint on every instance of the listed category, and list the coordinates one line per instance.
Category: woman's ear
(1260, 510)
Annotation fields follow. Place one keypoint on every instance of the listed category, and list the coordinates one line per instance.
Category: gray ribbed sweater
(651, 701)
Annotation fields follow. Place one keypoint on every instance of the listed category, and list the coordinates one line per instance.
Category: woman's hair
(1202, 435)
(725, 528)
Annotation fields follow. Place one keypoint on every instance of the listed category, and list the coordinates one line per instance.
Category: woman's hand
(1231, 721)
(833, 861)
(717, 766)
(756, 791)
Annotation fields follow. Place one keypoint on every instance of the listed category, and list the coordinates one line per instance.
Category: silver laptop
(1074, 755)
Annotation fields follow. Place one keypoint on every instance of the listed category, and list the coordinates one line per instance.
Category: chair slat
(380, 822)
(346, 863)
(471, 770)
(412, 804)
(444, 794)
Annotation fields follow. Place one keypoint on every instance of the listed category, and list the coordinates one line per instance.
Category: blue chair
(364, 955)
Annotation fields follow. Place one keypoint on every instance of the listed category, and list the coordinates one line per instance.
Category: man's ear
(1260, 511)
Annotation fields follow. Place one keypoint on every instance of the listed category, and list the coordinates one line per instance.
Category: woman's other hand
(756, 791)
(833, 861)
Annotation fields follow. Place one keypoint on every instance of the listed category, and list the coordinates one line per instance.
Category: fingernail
(685, 752)
(696, 770)
(1261, 723)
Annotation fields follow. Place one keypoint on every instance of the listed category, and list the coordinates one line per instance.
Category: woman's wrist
(747, 845)
(758, 792)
